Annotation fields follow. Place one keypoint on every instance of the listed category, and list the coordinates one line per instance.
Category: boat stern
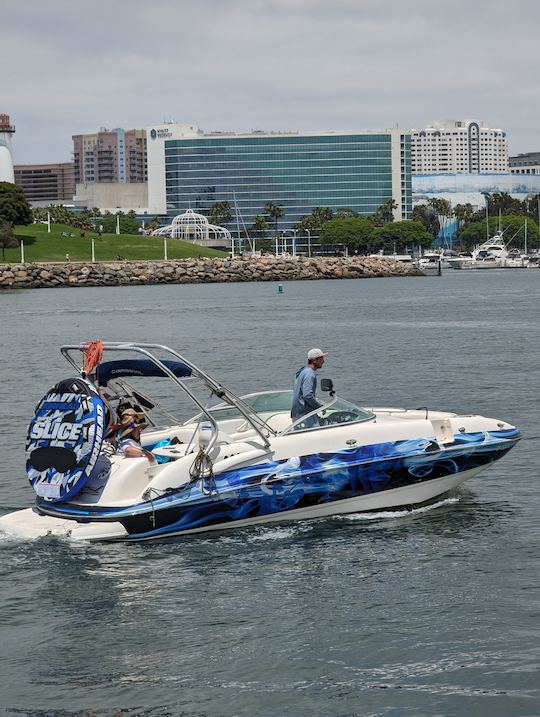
(28, 524)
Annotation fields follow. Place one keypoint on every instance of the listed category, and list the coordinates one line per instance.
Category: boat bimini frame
(164, 367)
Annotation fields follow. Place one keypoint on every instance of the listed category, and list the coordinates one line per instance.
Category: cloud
(271, 64)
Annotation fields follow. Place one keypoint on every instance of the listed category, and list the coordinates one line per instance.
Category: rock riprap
(197, 271)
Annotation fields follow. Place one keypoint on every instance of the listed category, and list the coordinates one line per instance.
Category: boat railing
(216, 388)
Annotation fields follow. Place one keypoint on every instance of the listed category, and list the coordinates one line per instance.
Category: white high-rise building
(458, 147)
(6, 160)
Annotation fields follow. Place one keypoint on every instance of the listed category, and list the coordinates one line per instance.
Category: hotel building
(46, 183)
(296, 170)
(458, 147)
(115, 155)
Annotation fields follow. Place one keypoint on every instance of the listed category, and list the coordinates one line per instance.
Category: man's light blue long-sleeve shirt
(305, 385)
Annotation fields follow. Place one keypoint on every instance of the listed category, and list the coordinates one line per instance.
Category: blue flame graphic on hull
(277, 487)
(280, 486)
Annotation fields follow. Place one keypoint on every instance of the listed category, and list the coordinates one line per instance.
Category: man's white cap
(315, 354)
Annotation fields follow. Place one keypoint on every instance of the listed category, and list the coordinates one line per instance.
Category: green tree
(533, 208)
(7, 238)
(39, 214)
(314, 221)
(220, 213)
(504, 203)
(14, 207)
(353, 232)
(344, 212)
(61, 214)
(127, 224)
(260, 225)
(274, 212)
(427, 216)
(401, 235)
(464, 214)
(384, 214)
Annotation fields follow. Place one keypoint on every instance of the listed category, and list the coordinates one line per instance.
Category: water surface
(433, 612)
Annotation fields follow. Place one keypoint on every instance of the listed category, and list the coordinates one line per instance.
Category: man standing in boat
(305, 385)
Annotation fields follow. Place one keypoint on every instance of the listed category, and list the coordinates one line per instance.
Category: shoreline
(40, 275)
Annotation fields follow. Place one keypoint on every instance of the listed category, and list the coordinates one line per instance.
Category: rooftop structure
(458, 147)
(298, 171)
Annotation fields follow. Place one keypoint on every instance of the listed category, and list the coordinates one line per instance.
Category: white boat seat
(279, 422)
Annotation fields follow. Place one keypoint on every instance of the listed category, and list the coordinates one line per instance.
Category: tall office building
(46, 183)
(528, 163)
(115, 155)
(296, 170)
(458, 147)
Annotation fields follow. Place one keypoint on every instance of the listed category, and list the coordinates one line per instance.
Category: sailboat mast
(237, 220)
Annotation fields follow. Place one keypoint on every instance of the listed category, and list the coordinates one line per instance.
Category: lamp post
(308, 242)
(22, 251)
(93, 251)
(293, 240)
(165, 248)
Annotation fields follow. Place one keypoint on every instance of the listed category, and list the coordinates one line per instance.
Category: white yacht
(237, 462)
(492, 254)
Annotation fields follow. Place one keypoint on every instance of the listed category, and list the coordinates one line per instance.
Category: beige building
(112, 196)
(111, 156)
(45, 184)
(458, 147)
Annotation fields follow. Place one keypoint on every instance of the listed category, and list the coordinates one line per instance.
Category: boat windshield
(335, 413)
(263, 404)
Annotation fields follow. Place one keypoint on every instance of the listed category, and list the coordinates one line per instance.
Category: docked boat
(492, 254)
(431, 264)
(239, 461)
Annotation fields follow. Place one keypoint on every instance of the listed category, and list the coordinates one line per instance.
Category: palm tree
(220, 213)
(260, 225)
(274, 212)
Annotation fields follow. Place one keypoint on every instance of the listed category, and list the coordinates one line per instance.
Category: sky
(237, 65)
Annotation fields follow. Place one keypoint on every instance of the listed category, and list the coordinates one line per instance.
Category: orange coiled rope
(92, 355)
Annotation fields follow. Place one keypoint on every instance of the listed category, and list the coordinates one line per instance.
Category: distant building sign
(160, 133)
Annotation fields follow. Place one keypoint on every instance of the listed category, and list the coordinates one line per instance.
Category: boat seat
(279, 422)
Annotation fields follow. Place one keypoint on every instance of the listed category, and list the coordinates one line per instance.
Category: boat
(491, 254)
(238, 461)
(431, 264)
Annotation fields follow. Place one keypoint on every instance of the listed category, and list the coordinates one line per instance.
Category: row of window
(279, 141)
(262, 184)
(376, 159)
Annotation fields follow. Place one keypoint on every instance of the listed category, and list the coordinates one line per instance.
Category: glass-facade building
(299, 172)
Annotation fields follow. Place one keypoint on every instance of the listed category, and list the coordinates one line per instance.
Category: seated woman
(129, 436)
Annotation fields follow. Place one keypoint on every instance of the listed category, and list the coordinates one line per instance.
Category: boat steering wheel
(338, 417)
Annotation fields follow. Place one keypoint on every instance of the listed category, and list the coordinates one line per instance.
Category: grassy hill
(41, 246)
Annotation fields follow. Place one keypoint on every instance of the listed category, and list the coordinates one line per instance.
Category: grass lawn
(41, 246)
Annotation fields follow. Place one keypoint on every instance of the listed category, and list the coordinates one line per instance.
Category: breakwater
(197, 271)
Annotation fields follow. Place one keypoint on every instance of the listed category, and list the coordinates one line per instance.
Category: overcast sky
(71, 67)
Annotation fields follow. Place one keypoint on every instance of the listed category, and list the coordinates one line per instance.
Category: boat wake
(392, 514)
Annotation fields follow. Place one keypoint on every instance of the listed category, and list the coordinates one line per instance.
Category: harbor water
(433, 612)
